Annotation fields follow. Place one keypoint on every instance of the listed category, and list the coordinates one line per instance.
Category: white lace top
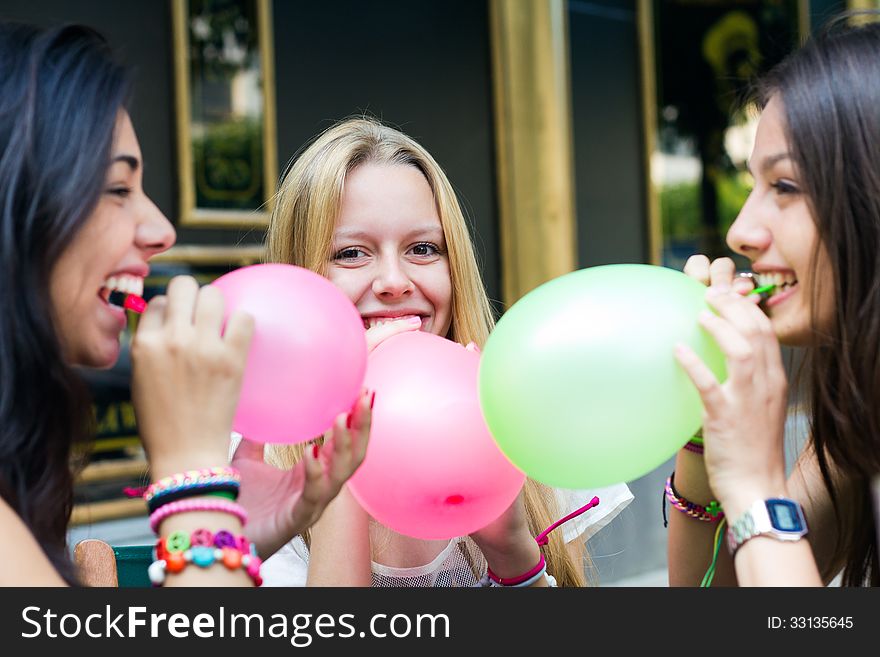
(458, 562)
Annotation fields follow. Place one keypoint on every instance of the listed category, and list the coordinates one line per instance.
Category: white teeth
(778, 279)
(370, 322)
(126, 283)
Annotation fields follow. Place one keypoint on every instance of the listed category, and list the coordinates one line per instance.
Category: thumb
(378, 334)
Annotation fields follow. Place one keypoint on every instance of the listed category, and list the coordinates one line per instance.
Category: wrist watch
(778, 517)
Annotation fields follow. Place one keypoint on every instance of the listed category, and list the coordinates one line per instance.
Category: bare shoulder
(22, 561)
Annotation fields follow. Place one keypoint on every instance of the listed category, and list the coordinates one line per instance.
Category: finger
(739, 311)
(743, 284)
(312, 492)
(702, 378)
(378, 334)
(736, 349)
(339, 467)
(361, 421)
(208, 314)
(721, 273)
(239, 331)
(153, 317)
(697, 266)
(181, 292)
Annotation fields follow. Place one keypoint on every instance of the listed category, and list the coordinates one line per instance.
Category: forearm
(765, 561)
(690, 541)
(340, 545)
(514, 559)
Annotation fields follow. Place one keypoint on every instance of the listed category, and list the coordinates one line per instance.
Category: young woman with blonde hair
(369, 208)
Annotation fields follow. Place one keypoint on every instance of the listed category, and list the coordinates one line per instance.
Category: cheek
(440, 290)
(354, 283)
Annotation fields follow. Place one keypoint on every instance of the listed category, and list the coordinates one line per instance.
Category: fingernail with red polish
(372, 400)
(315, 450)
(348, 420)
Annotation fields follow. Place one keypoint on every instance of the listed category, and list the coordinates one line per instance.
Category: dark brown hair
(60, 93)
(830, 92)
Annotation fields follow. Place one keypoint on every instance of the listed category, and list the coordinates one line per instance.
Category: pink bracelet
(182, 506)
(540, 567)
(693, 447)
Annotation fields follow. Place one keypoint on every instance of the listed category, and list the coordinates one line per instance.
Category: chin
(100, 358)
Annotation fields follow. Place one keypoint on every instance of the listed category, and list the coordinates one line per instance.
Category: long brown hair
(60, 93)
(830, 92)
(301, 233)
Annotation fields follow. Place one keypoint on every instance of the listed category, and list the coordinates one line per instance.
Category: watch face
(784, 515)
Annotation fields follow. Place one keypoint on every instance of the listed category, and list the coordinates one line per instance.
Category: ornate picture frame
(225, 107)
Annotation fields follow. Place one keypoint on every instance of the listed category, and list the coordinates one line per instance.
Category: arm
(186, 377)
(743, 430)
(340, 552)
(36, 570)
(690, 542)
(340, 549)
(509, 548)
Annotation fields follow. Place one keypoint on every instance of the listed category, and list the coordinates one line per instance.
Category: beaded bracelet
(710, 513)
(191, 477)
(180, 541)
(201, 504)
(202, 548)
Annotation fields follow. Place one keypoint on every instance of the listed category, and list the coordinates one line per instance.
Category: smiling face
(389, 252)
(776, 231)
(110, 251)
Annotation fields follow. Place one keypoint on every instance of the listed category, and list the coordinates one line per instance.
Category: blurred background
(576, 134)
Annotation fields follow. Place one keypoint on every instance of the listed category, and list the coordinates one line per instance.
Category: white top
(459, 562)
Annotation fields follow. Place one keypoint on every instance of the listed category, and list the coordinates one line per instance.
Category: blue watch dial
(785, 515)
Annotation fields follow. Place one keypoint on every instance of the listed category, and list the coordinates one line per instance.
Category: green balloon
(578, 381)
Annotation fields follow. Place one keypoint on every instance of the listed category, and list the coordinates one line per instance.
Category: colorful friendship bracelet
(710, 513)
(191, 477)
(201, 504)
(202, 548)
(208, 487)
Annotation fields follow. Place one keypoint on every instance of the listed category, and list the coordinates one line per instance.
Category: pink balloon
(308, 355)
(432, 470)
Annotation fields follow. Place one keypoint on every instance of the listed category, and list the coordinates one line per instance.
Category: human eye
(120, 191)
(425, 249)
(348, 254)
(783, 186)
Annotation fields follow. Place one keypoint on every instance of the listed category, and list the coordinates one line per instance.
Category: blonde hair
(301, 233)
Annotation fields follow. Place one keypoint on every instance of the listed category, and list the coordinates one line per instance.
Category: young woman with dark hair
(75, 224)
(811, 228)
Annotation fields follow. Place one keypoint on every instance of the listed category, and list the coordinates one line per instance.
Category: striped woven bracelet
(710, 513)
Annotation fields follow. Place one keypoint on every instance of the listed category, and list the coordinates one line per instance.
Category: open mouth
(125, 284)
(370, 322)
(780, 282)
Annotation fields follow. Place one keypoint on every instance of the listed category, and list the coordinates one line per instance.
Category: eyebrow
(769, 161)
(130, 160)
(430, 229)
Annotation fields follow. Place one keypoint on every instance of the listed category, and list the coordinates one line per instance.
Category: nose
(391, 280)
(155, 233)
(749, 235)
